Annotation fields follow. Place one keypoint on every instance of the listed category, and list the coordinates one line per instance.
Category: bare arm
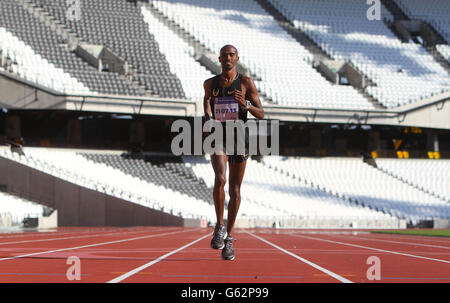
(206, 104)
(206, 99)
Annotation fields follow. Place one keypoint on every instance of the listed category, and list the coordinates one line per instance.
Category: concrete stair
(399, 14)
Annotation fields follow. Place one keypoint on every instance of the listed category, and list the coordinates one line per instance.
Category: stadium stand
(163, 171)
(403, 72)
(44, 42)
(77, 169)
(284, 64)
(298, 203)
(297, 199)
(14, 210)
(33, 67)
(120, 26)
(429, 176)
(365, 184)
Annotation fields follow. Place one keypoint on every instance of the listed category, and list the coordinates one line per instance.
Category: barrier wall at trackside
(50, 221)
(77, 205)
(388, 223)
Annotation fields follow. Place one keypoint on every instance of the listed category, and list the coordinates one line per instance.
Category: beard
(227, 66)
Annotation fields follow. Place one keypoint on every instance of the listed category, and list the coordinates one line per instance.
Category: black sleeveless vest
(217, 91)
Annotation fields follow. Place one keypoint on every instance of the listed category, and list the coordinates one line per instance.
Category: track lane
(256, 262)
(429, 253)
(399, 243)
(396, 266)
(344, 254)
(71, 236)
(60, 231)
(98, 259)
(27, 248)
(159, 259)
(414, 238)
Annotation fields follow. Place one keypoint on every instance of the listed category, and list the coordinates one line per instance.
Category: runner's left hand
(239, 96)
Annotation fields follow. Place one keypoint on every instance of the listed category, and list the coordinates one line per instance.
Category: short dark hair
(228, 45)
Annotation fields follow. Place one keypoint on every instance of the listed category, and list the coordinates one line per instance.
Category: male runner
(241, 88)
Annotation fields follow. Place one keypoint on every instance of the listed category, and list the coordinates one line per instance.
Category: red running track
(182, 255)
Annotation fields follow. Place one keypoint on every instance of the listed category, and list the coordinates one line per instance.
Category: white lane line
(43, 233)
(77, 237)
(413, 237)
(399, 242)
(324, 270)
(136, 270)
(92, 245)
(372, 248)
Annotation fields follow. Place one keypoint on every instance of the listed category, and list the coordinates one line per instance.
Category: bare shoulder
(248, 83)
(247, 80)
(208, 82)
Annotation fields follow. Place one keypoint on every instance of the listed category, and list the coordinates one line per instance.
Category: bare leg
(237, 171)
(219, 163)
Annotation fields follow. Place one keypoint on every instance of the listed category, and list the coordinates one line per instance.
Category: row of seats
(432, 176)
(167, 173)
(265, 190)
(354, 179)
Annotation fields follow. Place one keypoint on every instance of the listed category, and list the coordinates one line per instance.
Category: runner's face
(228, 58)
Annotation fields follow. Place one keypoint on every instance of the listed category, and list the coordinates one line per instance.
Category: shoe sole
(231, 259)
(221, 247)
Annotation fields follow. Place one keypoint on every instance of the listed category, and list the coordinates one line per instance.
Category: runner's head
(228, 57)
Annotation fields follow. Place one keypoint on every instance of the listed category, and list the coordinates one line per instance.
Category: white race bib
(226, 108)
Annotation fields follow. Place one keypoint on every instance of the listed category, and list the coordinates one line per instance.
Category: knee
(220, 181)
(235, 191)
